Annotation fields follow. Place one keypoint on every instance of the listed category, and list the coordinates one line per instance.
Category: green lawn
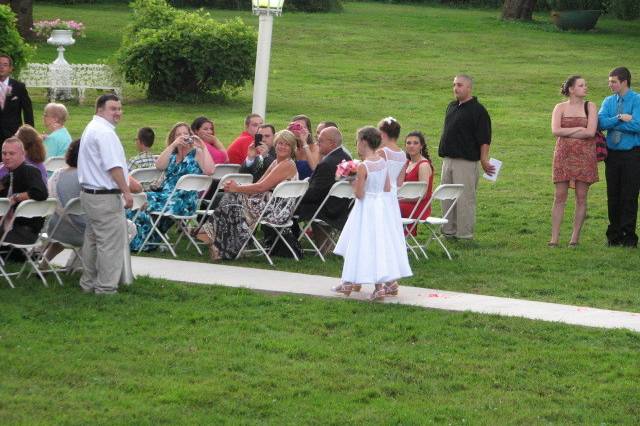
(162, 353)
(375, 60)
(166, 353)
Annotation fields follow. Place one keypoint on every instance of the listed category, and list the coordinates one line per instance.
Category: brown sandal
(343, 288)
(391, 289)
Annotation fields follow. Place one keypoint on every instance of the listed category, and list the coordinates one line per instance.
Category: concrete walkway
(314, 285)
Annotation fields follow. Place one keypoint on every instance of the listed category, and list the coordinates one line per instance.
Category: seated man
(335, 211)
(23, 182)
(237, 151)
(261, 153)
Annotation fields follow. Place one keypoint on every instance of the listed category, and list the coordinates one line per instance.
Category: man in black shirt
(464, 143)
(23, 182)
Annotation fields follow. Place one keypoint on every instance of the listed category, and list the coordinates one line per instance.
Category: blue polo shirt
(607, 120)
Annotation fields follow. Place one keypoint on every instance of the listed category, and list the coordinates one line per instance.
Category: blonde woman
(58, 139)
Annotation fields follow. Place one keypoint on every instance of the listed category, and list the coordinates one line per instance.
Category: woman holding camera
(307, 152)
(185, 154)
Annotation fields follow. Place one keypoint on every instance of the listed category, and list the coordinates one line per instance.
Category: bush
(185, 55)
(289, 5)
(560, 5)
(625, 9)
(11, 43)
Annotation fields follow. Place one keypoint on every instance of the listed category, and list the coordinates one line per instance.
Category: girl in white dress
(372, 254)
(397, 166)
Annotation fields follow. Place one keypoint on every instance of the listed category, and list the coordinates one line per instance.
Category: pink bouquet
(346, 170)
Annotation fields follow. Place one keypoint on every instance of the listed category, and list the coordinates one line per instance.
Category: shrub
(625, 9)
(11, 43)
(289, 5)
(560, 5)
(185, 55)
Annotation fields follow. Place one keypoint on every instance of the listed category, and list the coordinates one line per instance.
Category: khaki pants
(462, 219)
(104, 242)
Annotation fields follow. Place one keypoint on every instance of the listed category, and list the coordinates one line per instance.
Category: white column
(262, 65)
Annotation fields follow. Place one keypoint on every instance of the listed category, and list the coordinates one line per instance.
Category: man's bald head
(329, 139)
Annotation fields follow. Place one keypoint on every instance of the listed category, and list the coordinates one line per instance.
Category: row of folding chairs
(415, 191)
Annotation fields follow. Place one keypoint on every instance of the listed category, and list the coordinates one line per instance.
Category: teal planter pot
(581, 20)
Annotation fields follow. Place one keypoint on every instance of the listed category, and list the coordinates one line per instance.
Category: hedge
(181, 55)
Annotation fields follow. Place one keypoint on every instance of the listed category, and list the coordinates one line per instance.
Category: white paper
(497, 164)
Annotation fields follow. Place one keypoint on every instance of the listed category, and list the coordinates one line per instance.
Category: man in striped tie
(620, 117)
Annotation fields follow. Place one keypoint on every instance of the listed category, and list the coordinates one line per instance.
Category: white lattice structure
(79, 77)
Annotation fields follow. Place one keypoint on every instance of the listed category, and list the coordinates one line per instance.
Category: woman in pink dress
(574, 122)
(419, 168)
(205, 130)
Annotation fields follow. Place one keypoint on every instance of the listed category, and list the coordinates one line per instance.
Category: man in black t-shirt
(464, 143)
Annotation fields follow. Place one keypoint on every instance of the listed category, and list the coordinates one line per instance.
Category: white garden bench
(80, 77)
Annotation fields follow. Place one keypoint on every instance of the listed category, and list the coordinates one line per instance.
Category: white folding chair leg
(258, 246)
(184, 231)
(435, 236)
(6, 275)
(280, 237)
(35, 268)
(315, 247)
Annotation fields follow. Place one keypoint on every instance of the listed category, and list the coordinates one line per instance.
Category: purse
(600, 139)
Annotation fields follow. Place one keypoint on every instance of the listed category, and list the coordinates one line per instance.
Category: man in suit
(335, 210)
(15, 104)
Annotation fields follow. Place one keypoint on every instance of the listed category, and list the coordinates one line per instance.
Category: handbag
(600, 140)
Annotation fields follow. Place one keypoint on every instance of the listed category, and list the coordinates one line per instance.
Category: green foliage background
(185, 55)
(11, 43)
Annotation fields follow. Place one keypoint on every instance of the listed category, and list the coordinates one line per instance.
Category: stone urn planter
(577, 20)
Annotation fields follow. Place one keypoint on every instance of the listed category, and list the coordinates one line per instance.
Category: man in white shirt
(102, 172)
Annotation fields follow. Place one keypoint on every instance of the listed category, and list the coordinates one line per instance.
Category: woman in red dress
(419, 168)
(574, 123)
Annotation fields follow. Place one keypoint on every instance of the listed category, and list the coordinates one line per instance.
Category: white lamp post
(265, 9)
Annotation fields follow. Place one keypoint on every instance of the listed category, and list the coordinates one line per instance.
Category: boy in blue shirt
(620, 117)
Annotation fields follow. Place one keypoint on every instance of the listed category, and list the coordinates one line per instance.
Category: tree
(24, 11)
(521, 10)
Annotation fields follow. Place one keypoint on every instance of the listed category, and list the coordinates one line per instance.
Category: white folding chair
(29, 209)
(239, 178)
(450, 192)
(222, 170)
(284, 192)
(197, 183)
(146, 175)
(139, 204)
(54, 163)
(73, 208)
(414, 191)
(341, 189)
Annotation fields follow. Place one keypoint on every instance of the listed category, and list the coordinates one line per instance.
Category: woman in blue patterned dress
(185, 154)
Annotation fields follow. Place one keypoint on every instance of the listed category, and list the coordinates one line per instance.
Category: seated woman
(34, 150)
(419, 168)
(307, 152)
(203, 128)
(229, 228)
(64, 186)
(184, 154)
(58, 139)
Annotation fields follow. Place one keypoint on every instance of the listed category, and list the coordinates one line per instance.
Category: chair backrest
(74, 207)
(239, 178)
(412, 190)
(224, 169)
(449, 191)
(32, 208)
(194, 183)
(341, 189)
(5, 205)
(139, 200)
(146, 175)
(54, 163)
(290, 189)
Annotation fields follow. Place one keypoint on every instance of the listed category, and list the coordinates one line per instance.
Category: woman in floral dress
(185, 154)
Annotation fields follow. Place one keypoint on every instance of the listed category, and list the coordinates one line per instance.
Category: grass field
(375, 60)
(161, 352)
